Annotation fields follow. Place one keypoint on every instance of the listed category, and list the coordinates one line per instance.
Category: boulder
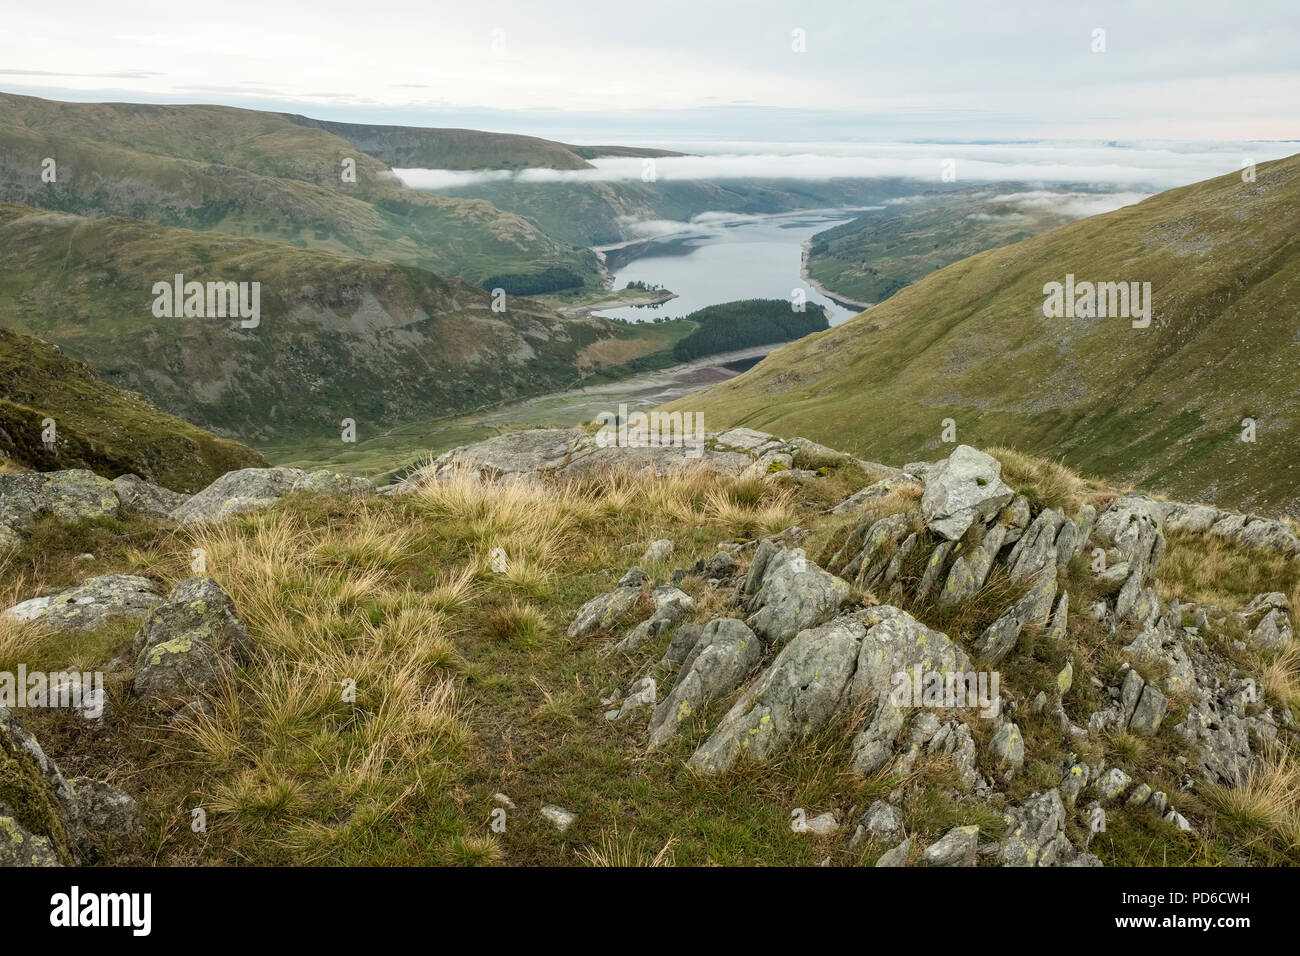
(327, 482)
(964, 488)
(789, 593)
(604, 610)
(69, 497)
(91, 604)
(146, 498)
(242, 490)
(957, 847)
(188, 645)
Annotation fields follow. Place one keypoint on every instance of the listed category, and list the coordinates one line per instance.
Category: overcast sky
(674, 69)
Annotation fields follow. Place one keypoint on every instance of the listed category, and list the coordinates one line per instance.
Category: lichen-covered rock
(91, 604)
(1034, 607)
(108, 819)
(188, 645)
(604, 610)
(1267, 622)
(328, 482)
(957, 847)
(790, 593)
(965, 487)
(1008, 747)
(882, 820)
(38, 811)
(69, 497)
(804, 687)
(897, 856)
(671, 605)
(242, 490)
(146, 498)
(1035, 835)
(721, 659)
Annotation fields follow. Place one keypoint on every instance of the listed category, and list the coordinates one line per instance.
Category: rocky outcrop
(723, 655)
(146, 498)
(573, 452)
(788, 593)
(47, 820)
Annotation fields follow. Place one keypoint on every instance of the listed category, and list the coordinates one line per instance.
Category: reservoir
(722, 257)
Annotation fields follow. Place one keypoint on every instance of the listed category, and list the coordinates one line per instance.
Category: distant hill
(436, 148)
(338, 338)
(1160, 406)
(604, 213)
(252, 173)
(871, 257)
(97, 426)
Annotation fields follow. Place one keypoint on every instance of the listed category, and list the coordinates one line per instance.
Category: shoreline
(841, 300)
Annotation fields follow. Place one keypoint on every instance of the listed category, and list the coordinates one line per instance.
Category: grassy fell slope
(870, 258)
(441, 148)
(252, 173)
(1161, 407)
(105, 429)
(339, 337)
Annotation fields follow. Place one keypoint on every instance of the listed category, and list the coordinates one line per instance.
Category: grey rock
(108, 818)
(1008, 747)
(793, 593)
(1035, 833)
(91, 604)
(897, 856)
(236, 491)
(146, 498)
(188, 645)
(604, 610)
(327, 482)
(882, 820)
(719, 662)
(70, 497)
(660, 550)
(804, 687)
(966, 487)
(1150, 711)
(957, 847)
(558, 817)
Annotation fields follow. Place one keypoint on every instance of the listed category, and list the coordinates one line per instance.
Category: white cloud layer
(1145, 165)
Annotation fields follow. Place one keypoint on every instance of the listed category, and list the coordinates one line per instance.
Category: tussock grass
(1047, 484)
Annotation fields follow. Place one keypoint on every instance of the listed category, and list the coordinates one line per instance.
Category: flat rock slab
(91, 604)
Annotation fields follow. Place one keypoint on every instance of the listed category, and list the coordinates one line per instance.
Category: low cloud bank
(1156, 167)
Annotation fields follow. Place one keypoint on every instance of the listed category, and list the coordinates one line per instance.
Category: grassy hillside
(873, 256)
(437, 148)
(339, 337)
(1160, 406)
(468, 686)
(251, 173)
(599, 213)
(105, 429)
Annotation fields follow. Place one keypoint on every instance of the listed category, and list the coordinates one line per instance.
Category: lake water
(723, 258)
